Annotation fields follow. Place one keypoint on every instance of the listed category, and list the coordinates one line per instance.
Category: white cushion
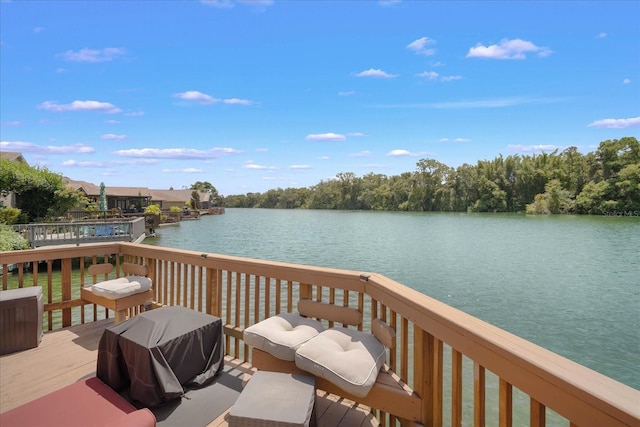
(348, 358)
(121, 287)
(282, 334)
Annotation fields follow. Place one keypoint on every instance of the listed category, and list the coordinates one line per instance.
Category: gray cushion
(348, 358)
(274, 399)
(281, 335)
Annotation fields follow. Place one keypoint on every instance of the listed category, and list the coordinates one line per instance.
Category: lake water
(568, 283)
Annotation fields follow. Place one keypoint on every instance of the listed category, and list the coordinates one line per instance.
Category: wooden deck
(67, 355)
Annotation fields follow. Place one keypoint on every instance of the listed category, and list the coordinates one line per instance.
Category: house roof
(10, 155)
(176, 195)
(88, 188)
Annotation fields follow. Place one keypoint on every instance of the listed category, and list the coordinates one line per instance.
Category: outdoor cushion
(86, 403)
(121, 287)
(348, 358)
(282, 334)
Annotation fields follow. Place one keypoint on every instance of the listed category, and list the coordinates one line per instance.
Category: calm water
(570, 284)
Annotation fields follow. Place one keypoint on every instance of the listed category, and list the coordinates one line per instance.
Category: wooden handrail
(243, 291)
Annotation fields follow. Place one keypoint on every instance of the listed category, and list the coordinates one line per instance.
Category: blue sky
(254, 95)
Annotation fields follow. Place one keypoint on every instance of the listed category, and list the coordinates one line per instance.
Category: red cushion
(86, 403)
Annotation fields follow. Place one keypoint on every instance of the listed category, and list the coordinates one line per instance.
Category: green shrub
(10, 240)
(9, 215)
(152, 210)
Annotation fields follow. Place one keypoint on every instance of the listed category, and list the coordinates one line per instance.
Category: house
(135, 199)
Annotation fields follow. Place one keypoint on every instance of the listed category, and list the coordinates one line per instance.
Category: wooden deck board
(67, 355)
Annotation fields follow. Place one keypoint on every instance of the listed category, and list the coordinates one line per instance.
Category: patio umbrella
(103, 198)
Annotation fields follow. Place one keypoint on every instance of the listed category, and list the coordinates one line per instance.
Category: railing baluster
(456, 388)
(506, 403)
(50, 290)
(537, 414)
(479, 393)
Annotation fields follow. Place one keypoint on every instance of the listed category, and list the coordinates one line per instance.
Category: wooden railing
(465, 371)
(81, 232)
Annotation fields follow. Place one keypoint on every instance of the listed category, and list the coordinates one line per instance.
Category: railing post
(212, 285)
(423, 375)
(66, 290)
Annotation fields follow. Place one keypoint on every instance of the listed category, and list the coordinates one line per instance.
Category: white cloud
(112, 122)
(113, 137)
(365, 153)
(357, 134)
(38, 30)
(508, 49)
(444, 139)
(431, 75)
(104, 107)
(262, 150)
(94, 55)
(626, 81)
(616, 123)
(347, 93)
(196, 96)
(420, 46)
(375, 73)
(450, 78)
(481, 103)
(324, 158)
(12, 123)
(533, 148)
(61, 70)
(30, 147)
(461, 140)
(109, 163)
(254, 166)
(236, 101)
(400, 153)
(185, 170)
(220, 4)
(176, 153)
(299, 167)
(330, 136)
(601, 35)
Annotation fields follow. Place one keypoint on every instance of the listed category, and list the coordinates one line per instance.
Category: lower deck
(67, 355)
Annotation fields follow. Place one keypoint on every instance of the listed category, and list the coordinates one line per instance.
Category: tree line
(603, 181)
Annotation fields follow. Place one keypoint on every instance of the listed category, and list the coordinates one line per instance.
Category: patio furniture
(86, 403)
(20, 319)
(347, 358)
(160, 352)
(281, 335)
(273, 399)
(122, 293)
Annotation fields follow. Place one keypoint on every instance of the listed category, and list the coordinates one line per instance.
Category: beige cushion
(348, 358)
(282, 334)
(121, 287)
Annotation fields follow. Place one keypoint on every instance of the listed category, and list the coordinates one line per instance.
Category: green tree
(195, 200)
(555, 200)
(40, 193)
(215, 199)
(592, 197)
